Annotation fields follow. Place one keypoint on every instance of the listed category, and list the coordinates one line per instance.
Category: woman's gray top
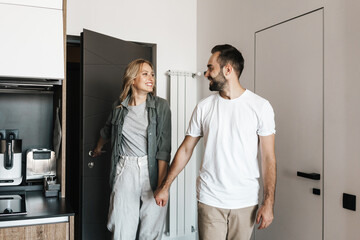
(158, 134)
(134, 140)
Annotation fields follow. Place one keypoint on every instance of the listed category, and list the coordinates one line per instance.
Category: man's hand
(161, 196)
(265, 215)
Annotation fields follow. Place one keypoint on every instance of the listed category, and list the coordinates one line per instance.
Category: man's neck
(232, 90)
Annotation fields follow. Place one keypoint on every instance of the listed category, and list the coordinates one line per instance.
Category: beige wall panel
(342, 117)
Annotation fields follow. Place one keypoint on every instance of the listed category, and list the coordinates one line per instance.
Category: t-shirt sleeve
(266, 125)
(195, 126)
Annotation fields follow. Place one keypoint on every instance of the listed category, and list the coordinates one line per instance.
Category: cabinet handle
(313, 176)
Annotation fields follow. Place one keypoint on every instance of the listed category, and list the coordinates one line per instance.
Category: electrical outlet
(12, 134)
(2, 134)
(349, 201)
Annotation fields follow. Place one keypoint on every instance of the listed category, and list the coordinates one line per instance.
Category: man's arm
(181, 158)
(265, 214)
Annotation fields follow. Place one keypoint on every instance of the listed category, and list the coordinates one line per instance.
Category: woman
(139, 127)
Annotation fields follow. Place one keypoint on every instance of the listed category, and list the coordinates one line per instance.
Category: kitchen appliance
(40, 162)
(51, 188)
(12, 203)
(10, 158)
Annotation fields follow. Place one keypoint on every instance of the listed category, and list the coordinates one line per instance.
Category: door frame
(76, 178)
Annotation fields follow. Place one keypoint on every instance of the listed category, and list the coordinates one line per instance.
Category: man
(233, 123)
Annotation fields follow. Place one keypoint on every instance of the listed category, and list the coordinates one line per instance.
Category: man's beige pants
(225, 224)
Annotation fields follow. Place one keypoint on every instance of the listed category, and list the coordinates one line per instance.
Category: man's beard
(218, 82)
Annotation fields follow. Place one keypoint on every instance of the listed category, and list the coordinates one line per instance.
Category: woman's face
(145, 80)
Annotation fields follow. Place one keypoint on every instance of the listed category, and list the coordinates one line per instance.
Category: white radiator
(182, 213)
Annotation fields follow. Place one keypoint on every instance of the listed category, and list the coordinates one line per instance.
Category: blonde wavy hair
(131, 72)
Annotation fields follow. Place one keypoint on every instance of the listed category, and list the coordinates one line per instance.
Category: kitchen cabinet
(56, 4)
(55, 231)
(32, 50)
(32, 54)
(32, 44)
(46, 218)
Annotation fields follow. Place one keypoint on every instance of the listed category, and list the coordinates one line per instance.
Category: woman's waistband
(134, 160)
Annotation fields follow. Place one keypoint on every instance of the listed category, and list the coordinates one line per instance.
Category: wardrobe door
(289, 73)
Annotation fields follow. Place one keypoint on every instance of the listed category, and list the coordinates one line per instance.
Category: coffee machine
(10, 158)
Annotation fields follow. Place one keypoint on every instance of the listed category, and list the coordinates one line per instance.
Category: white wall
(236, 21)
(169, 24)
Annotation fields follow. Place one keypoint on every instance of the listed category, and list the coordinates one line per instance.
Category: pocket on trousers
(120, 166)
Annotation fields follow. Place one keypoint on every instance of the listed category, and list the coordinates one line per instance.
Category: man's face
(215, 74)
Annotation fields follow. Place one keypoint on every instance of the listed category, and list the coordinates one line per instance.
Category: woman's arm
(164, 143)
(163, 168)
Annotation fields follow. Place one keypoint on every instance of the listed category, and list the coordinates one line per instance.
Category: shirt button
(150, 134)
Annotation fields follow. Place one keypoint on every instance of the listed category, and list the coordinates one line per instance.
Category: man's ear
(227, 70)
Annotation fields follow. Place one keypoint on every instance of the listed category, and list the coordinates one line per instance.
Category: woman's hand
(161, 195)
(98, 150)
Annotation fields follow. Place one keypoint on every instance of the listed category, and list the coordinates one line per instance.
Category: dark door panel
(114, 50)
(95, 231)
(96, 106)
(100, 77)
(93, 213)
(93, 124)
(104, 62)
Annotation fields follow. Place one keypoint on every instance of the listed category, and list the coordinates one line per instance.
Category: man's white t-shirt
(229, 171)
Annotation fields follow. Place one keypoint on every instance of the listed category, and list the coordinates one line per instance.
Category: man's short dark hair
(229, 54)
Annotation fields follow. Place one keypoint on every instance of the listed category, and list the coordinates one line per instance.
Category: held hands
(265, 216)
(161, 195)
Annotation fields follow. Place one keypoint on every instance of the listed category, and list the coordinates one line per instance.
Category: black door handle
(313, 176)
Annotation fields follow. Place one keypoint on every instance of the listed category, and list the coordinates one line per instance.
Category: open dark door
(104, 60)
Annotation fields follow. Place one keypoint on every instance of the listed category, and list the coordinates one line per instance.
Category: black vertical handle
(313, 176)
(8, 163)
